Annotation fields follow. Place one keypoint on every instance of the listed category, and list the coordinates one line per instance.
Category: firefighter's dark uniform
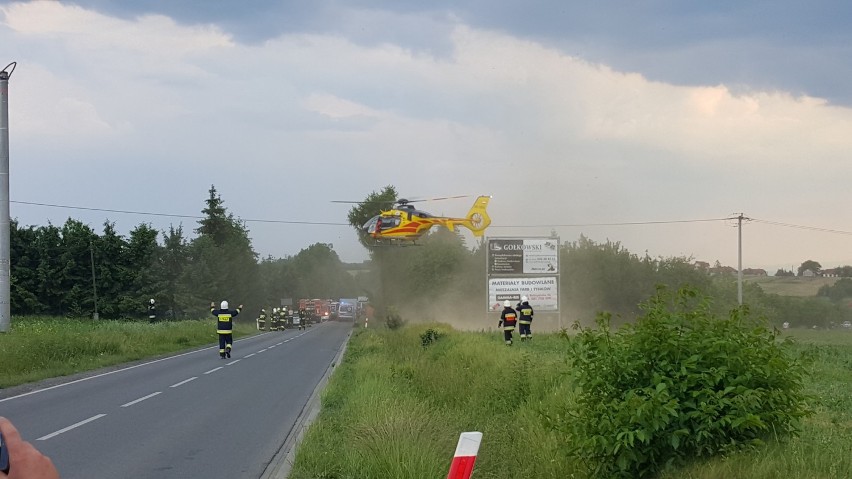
(303, 318)
(273, 326)
(224, 328)
(152, 313)
(261, 320)
(508, 319)
(525, 317)
(282, 322)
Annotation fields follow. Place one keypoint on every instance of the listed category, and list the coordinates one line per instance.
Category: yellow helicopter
(405, 224)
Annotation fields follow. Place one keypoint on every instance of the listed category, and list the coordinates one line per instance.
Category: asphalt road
(184, 416)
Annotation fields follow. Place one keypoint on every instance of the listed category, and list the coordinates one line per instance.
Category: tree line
(67, 270)
(51, 274)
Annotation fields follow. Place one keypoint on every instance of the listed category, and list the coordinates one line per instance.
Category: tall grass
(37, 348)
(394, 409)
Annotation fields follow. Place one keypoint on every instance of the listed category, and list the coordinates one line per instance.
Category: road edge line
(282, 462)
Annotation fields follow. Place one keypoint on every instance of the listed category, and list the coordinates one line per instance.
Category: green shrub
(429, 336)
(393, 320)
(678, 384)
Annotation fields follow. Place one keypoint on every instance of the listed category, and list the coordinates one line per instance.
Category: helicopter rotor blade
(405, 200)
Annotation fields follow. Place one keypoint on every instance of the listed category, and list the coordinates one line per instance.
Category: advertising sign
(523, 256)
(542, 292)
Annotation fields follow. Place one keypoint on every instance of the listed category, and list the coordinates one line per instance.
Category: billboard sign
(523, 256)
(542, 292)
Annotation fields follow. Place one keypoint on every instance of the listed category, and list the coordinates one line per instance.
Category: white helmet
(152, 300)
(224, 305)
(523, 299)
(507, 303)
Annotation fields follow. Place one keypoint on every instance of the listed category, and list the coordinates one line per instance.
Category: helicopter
(403, 224)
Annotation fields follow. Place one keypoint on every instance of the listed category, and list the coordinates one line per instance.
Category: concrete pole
(740, 259)
(5, 222)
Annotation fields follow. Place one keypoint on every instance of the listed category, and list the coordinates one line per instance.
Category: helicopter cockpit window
(390, 222)
(370, 226)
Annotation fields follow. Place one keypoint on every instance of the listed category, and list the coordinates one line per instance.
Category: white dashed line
(140, 399)
(184, 382)
(233, 362)
(249, 355)
(262, 350)
(214, 370)
(54, 434)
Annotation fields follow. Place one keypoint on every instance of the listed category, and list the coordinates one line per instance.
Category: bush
(429, 336)
(393, 320)
(678, 384)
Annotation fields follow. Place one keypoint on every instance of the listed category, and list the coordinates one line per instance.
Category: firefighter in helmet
(508, 319)
(303, 317)
(225, 326)
(276, 317)
(152, 311)
(261, 320)
(525, 317)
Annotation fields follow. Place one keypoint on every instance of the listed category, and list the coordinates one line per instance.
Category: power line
(148, 213)
(626, 223)
(568, 225)
(811, 228)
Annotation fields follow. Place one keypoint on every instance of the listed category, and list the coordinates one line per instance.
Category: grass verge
(38, 348)
(395, 408)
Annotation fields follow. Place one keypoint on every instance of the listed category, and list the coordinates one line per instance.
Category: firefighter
(225, 326)
(152, 311)
(525, 317)
(508, 318)
(273, 326)
(261, 320)
(303, 317)
(285, 313)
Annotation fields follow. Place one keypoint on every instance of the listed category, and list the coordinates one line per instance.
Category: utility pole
(5, 222)
(94, 283)
(740, 259)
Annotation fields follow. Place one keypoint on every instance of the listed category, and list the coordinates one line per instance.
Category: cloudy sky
(647, 123)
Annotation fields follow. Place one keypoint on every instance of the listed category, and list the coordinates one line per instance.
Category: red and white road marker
(465, 457)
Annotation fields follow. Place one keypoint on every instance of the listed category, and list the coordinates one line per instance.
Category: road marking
(184, 382)
(140, 399)
(279, 344)
(262, 350)
(250, 355)
(272, 346)
(214, 370)
(233, 362)
(54, 434)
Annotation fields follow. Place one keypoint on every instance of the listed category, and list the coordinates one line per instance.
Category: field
(790, 285)
(397, 404)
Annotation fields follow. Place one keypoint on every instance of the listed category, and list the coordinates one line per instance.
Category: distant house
(830, 273)
(754, 272)
(702, 265)
(808, 273)
(723, 270)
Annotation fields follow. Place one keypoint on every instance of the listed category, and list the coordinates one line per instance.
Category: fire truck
(318, 310)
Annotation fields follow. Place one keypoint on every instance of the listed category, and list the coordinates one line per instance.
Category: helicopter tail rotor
(477, 219)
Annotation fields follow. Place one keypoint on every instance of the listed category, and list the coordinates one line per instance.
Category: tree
(844, 271)
(222, 263)
(809, 265)
(371, 206)
(360, 214)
